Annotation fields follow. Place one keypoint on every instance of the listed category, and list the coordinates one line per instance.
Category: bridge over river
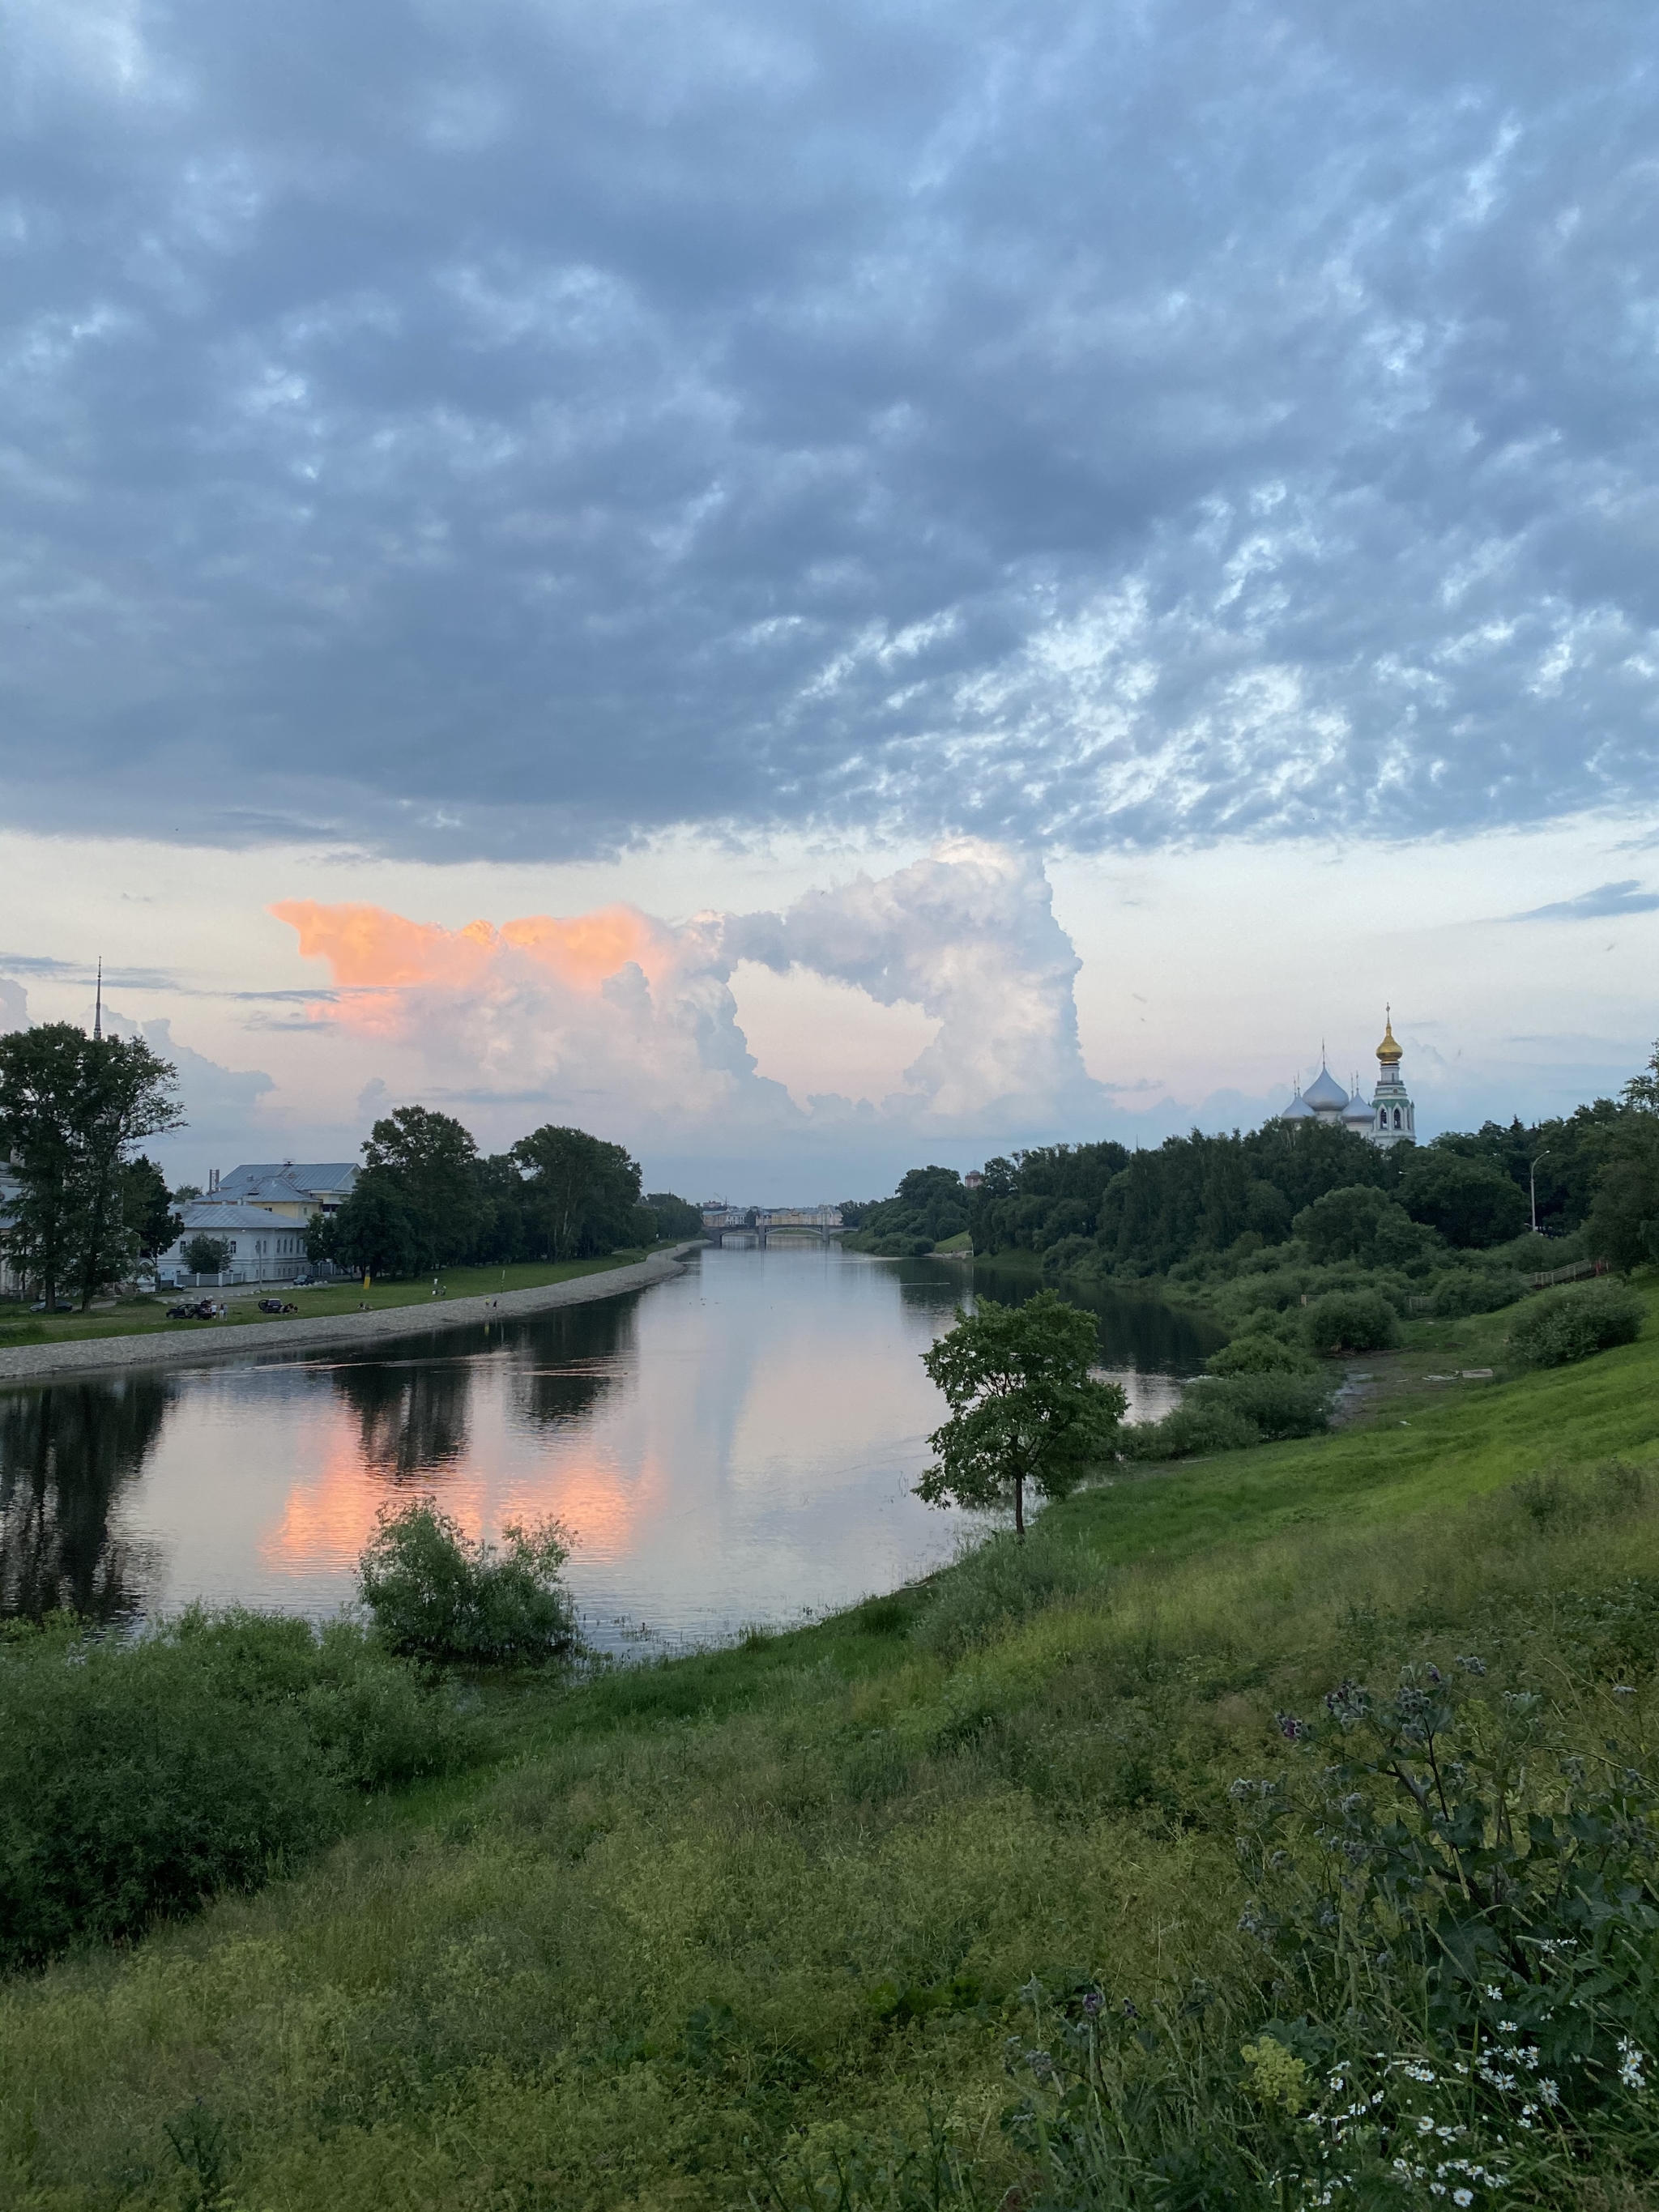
(763, 1224)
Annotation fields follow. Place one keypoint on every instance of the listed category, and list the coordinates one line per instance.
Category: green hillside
(758, 1926)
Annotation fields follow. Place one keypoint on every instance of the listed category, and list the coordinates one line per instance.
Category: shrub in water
(1567, 1325)
(144, 1777)
(438, 1596)
(1352, 1321)
(1201, 1423)
(1258, 1354)
(1279, 1405)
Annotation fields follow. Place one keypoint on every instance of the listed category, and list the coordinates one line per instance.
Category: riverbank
(191, 1344)
(763, 1925)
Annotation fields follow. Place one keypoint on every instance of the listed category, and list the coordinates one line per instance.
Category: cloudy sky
(813, 586)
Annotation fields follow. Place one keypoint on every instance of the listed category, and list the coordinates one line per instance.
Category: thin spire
(98, 1005)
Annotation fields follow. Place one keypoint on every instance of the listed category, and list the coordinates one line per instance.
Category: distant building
(291, 1190)
(1389, 1117)
(263, 1247)
(972, 1180)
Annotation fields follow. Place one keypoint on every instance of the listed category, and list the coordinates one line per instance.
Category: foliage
(1623, 1227)
(417, 1173)
(675, 1215)
(999, 1582)
(147, 1208)
(206, 1255)
(582, 1191)
(929, 1207)
(1232, 1412)
(71, 1109)
(439, 1597)
(143, 1776)
(373, 1233)
(1476, 1290)
(1571, 1324)
(1023, 1406)
(1359, 1222)
(1469, 1201)
(1354, 1321)
(1258, 1354)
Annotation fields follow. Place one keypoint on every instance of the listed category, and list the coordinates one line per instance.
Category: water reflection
(66, 1453)
(737, 1444)
(1140, 1333)
(411, 1415)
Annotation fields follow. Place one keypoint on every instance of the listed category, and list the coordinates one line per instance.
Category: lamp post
(1532, 1187)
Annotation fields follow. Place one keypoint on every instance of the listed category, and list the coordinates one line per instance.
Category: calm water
(736, 1445)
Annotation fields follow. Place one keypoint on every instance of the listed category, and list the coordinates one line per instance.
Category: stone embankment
(255, 1342)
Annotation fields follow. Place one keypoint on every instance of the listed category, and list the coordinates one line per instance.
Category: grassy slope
(135, 1317)
(774, 1899)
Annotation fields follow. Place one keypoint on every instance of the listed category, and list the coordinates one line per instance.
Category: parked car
(58, 1305)
(275, 1305)
(201, 1309)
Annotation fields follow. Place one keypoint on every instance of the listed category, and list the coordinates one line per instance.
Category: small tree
(1023, 1406)
(148, 1210)
(206, 1255)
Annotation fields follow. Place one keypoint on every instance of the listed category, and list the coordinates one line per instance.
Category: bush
(438, 1596)
(1567, 1325)
(998, 1583)
(1201, 1422)
(1256, 1354)
(144, 1777)
(1476, 1290)
(1352, 1321)
(1279, 1405)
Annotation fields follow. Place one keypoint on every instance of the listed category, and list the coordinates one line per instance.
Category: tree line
(1138, 1213)
(426, 1199)
(72, 1108)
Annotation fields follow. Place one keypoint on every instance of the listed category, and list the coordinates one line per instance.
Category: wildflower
(1471, 1664)
(1277, 2076)
(1426, 2123)
(1631, 2059)
(1290, 1727)
(1494, 1992)
(1092, 2004)
(1463, 2196)
(1623, 1689)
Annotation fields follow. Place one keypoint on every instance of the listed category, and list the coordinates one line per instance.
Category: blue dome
(1298, 1110)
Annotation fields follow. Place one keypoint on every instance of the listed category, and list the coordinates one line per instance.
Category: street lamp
(1532, 1187)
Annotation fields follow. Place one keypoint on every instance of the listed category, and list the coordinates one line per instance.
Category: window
(1396, 1117)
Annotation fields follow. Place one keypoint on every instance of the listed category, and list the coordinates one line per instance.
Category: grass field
(754, 1927)
(141, 1316)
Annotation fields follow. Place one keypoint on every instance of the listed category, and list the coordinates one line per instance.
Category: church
(1387, 1118)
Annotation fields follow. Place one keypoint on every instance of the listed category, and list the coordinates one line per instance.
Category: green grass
(141, 1316)
(755, 1911)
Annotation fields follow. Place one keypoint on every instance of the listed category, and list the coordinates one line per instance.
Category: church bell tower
(1393, 1119)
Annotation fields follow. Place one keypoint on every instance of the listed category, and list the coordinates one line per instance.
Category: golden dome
(1388, 1052)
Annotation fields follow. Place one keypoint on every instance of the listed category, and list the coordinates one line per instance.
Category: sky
(810, 587)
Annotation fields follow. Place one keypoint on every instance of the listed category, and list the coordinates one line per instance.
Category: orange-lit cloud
(616, 1015)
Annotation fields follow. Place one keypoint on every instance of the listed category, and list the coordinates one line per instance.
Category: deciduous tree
(1024, 1408)
(583, 1191)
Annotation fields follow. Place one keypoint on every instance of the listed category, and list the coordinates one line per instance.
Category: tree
(1624, 1219)
(1359, 1222)
(1470, 1202)
(147, 1208)
(676, 1216)
(1023, 1406)
(206, 1255)
(373, 1232)
(71, 1108)
(582, 1190)
(425, 1161)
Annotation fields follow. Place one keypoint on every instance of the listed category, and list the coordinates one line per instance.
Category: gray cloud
(509, 428)
(1607, 900)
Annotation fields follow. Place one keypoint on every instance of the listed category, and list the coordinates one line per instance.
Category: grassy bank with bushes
(1091, 1868)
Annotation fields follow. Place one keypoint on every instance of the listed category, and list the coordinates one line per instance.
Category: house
(291, 1190)
(265, 1246)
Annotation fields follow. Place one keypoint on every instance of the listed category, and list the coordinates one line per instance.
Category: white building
(263, 1247)
(1386, 1118)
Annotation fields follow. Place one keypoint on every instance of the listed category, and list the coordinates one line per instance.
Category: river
(736, 1446)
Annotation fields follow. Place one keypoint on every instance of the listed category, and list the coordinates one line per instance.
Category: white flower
(1426, 2123)
(1631, 2059)
(1463, 2196)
